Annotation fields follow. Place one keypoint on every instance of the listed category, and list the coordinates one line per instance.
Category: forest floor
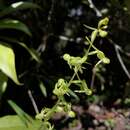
(94, 117)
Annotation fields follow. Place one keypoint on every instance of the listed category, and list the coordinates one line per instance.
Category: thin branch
(117, 49)
(91, 4)
(121, 61)
(33, 102)
(93, 78)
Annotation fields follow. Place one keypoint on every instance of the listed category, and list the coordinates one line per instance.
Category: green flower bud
(102, 33)
(59, 109)
(71, 114)
(89, 92)
(100, 55)
(66, 57)
(106, 60)
(93, 35)
(39, 116)
(103, 22)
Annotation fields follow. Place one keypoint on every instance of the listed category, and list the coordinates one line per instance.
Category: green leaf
(31, 51)
(22, 115)
(14, 24)
(43, 89)
(3, 82)
(7, 62)
(18, 6)
(13, 122)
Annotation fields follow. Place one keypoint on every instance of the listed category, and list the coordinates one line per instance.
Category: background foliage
(57, 27)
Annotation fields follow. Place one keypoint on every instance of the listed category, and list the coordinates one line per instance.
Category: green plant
(20, 121)
(7, 55)
(63, 87)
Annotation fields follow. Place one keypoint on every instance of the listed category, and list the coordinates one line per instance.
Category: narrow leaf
(43, 89)
(23, 116)
(31, 51)
(14, 24)
(88, 27)
(18, 6)
(7, 62)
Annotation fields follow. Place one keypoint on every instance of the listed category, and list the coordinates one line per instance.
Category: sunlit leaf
(13, 122)
(23, 115)
(7, 62)
(31, 51)
(18, 6)
(14, 24)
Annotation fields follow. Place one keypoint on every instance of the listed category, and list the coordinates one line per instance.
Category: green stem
(90, 45)
(72, 78)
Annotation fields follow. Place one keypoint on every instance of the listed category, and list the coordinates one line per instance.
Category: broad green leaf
(3, 82)
(23, 115)
(31, 51)
(7, 62)
(13, 122)
(18, 6)
(14, 24)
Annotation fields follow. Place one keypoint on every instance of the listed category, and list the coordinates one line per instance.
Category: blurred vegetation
(57, 27)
